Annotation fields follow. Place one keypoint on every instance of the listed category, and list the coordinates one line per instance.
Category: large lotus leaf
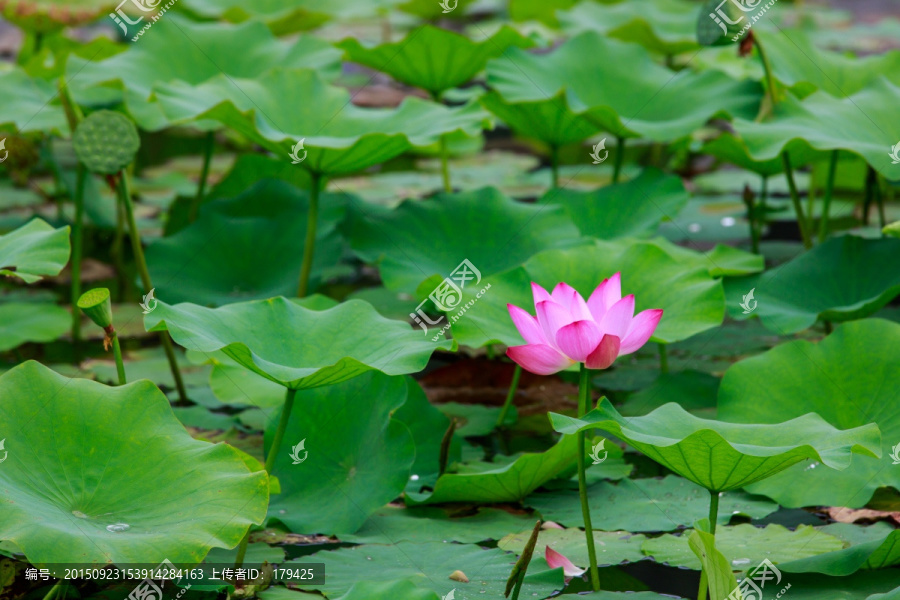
(859, 123)
(877, 554)
(549, 120)
(45, 16)
(22, 322)
(180, 50)
(378, 590)
(841, 280)
(733, 150)
(432, 58)
(691, 299)
(849, 378)
(32, 107)
(298, 347)
(119, 478)
(431, 564)
(34, 250)
(507, 483)
(802, 66)
(357, 457)
(427, 425)
(664, 26)
(394, 524)
(339, 137)
(228, 254)
(500, 233)
(631, 96)
(726, 456)
(645, 505)
(613, 547)
(746, 546)
(860, 586)
(634, 208)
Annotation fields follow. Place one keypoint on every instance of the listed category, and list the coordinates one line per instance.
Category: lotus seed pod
(106, 142)
(719, 22)
(96, 305)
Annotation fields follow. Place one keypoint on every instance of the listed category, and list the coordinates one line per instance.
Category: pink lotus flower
(569, 330)
(556, 560)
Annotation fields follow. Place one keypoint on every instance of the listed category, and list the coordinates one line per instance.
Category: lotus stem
(583, 407)
(270, 461)
(445, 165)
(879, 199)
(208, 148)
(795, 198)
(117, 353)
(713, 517)
(309, 247)
(811, 203)
(116, 252)
(444, 457)
(554, 166)
(513, 387)
(765, 109)
(517, 576)
(829, 191)
(77, 249)
(620, 159)
(761, 210)
(663, 359)
(56, 590)
(125, 199)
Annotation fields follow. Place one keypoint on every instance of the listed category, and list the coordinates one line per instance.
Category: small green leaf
(34, 250)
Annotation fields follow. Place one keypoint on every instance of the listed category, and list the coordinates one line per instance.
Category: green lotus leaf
(387, 590)
(726, 456)
(613, 547)
(33, 107)
(692, 300)
(746, 546)
(191, 53)
(338, 136)
(412, 60)
(22, 322)
(500, 233)
(792, 297)
(392, 524)
(45, 16)
(355, 457)
(861, 123)
(507, 483)
(877, 554)
(858, 389)
(121, 480)
(664, 26)
(718, 570)
(719, 23)
(860, 586)
(631, 96)
(282, 18)
(431, 564)
(427, 425)
(474, 420)
(732, 149)
(297, 347)
(226, 255)
(539, 10)
(695, 391)
(721, 261)
(34, 250)
(634, 208)
(804, 67)
(645, 505)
